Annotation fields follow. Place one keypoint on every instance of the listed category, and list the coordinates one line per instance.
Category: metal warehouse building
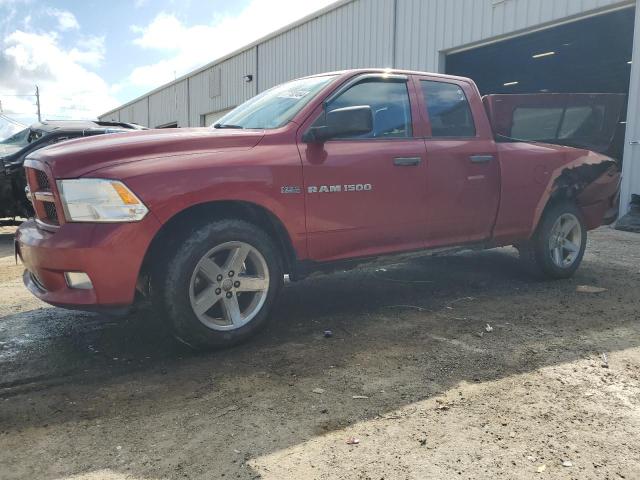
(506, 46)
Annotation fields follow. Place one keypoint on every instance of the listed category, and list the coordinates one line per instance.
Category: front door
(365, 195)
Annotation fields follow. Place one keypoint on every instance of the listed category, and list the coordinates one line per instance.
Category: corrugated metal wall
(358, 34)
(233, 90)
(137, 112)
(170, 105)
(111, 117)
(631, 165)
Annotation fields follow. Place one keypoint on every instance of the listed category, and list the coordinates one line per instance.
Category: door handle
(406, 161)
(480, 158)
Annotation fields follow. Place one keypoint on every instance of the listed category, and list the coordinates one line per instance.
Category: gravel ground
(446, 367)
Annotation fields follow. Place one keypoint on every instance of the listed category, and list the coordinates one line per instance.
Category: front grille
(52, 212)
(43, 180)
(43, 204)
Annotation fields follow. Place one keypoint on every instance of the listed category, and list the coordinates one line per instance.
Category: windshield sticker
(296, 94)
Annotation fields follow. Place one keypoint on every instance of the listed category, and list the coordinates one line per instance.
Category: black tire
(171, 285)
(536, 254)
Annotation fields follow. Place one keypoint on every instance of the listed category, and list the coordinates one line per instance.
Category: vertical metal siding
(112, 117)
(234, 90)
(137, 112)
(358, 34)
(631, 164)
(169, 105)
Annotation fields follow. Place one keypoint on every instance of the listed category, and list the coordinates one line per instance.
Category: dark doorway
(586, 56)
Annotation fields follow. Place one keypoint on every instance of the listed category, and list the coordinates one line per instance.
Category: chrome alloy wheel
(229, 286)
(565, 240)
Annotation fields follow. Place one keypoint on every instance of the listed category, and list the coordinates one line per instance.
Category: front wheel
(557, 248)
(220, 284)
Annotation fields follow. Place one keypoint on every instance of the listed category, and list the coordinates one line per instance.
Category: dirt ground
(411, 371)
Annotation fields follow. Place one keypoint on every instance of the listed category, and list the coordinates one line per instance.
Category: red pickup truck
(317, 173)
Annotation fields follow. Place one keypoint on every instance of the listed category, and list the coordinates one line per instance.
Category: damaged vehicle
(319, 173)
(13, 151)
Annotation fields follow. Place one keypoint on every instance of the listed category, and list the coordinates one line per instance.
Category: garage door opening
(586, 56)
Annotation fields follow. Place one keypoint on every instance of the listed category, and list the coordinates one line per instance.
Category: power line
(11, 120)
(37, 104)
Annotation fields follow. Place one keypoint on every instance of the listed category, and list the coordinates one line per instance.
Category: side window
(389, 102)
(533, 123)
(551, 123)
(448, 110)
(582, 122)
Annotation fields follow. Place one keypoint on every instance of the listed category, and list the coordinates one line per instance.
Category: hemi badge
(290, 189)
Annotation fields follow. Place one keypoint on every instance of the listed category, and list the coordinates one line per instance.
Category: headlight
(99, 200)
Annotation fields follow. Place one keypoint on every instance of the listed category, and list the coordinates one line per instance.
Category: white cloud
(68, 88)
(8, 128)
(66, 20)
(188, 47)
(91, 53)
(165, 32)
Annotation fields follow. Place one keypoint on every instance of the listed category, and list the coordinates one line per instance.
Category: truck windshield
(276, 106)
(14, 143)
(19, 139)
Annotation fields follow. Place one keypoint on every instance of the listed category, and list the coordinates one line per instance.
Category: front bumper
(110, 254)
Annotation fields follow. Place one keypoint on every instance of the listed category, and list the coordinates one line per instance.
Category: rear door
(365, 195)
(463, 183)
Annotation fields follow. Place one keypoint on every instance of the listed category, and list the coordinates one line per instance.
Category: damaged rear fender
(592, 181)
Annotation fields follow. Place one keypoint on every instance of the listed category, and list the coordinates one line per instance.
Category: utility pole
(38, 102)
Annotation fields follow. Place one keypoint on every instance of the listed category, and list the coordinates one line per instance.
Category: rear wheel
(220, 284)
(557, 248)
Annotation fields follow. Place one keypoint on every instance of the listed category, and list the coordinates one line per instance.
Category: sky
(88, 56)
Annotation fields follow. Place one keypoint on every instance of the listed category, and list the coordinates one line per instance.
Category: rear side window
(582, 122)
(389, 102)
(535, 123)
(448, 109)
(550, 123)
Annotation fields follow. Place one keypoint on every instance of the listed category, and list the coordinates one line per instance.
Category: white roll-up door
(213, 117)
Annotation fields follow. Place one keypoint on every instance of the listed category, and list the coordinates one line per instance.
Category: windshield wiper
(227, 125)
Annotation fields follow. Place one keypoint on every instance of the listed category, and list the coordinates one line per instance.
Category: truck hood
(79, 157)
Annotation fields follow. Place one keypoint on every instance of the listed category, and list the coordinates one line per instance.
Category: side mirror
(356, 120)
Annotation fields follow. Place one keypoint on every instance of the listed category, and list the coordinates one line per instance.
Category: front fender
(169, 186)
